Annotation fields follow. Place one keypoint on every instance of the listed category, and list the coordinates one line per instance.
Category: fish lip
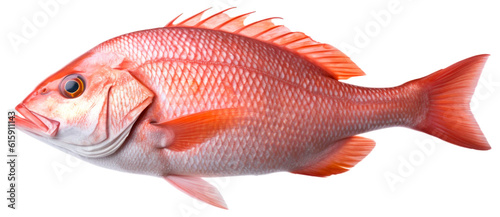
(35, 123)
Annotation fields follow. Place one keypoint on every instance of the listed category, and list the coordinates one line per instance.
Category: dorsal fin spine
(294, 41)
(281, 36)
(333, 61)
(211, 17)
(319, 52)
(254, 23)
(192, 17)
(233, 19)
(267, 31)
(173, 20)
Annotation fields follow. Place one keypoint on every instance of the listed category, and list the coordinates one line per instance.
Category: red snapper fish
(215, 97)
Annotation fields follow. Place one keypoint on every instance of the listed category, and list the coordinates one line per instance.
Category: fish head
(87, 108)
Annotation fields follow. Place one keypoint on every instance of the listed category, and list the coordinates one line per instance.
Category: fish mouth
(35, 123)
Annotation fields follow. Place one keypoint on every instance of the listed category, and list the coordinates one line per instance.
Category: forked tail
(449, 92)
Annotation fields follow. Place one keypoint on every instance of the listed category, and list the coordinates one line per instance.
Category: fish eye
(72, 86)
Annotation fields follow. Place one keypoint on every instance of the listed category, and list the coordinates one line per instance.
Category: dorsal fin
(332, 60)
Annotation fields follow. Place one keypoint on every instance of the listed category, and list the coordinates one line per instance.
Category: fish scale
(284, 96)
(214, 97)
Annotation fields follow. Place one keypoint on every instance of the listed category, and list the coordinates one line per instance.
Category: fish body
(215, 97)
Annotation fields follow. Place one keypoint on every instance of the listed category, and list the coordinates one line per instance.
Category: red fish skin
(294, 111)
(215, 97)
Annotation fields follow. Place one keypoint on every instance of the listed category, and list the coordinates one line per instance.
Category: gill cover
(125, 99)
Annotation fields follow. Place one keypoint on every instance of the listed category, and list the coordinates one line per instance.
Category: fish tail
(448, 115)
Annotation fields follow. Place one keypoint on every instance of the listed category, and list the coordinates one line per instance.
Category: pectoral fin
(194, 129)
(343, 155)
(197, 188)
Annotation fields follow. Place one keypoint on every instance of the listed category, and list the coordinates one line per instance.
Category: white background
(420, 38)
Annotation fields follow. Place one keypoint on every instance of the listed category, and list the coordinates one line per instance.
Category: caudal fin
(449, 92)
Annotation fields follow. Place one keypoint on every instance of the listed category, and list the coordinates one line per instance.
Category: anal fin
(198, 188)
(344, 155)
